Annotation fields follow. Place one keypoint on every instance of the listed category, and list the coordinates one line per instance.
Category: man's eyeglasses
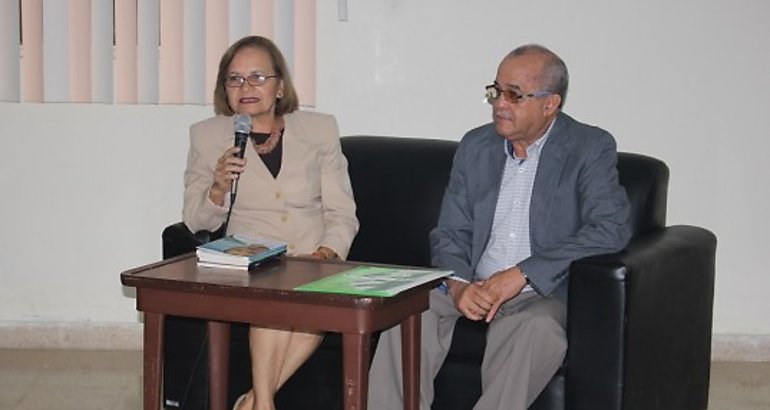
(493, 92)
(254, 80)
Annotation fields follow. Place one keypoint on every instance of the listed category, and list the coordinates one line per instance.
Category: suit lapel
(490, 167)
(549, 171)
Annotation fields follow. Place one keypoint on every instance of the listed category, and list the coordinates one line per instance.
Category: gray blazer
(578, 208)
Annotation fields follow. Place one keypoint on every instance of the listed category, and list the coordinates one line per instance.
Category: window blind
(142, 51)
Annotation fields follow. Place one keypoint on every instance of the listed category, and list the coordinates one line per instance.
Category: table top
(271, 280)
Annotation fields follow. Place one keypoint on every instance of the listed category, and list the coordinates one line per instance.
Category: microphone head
(242, 131)
(242, 124)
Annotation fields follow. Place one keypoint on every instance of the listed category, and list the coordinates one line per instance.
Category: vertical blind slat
(125, 52)
(32, 64)
(283, 35)
(193, 71)
(10, 75)
(171, 57)
(239, 16)
(262, 13)
(102, 52)
(217, 29)
(80, 50)
(148, 31)
(304, 51)
(56, 79)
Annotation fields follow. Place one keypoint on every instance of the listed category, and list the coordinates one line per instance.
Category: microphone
(242, 131)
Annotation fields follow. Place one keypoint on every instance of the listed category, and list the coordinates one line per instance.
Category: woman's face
(255, 100)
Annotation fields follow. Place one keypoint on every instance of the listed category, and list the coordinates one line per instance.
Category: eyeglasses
(493, 92)
(254, 80)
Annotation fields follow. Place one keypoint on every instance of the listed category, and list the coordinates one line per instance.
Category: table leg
(410, 360)
(153, 359)
(355, 374)
(219, 363)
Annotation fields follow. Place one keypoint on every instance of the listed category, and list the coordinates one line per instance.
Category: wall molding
(128, 336)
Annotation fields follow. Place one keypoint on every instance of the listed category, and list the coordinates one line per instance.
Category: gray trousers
(526, 344)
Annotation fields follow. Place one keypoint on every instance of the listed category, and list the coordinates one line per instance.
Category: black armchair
(639, 321)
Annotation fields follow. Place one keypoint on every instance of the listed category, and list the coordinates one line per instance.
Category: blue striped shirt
(509, 240)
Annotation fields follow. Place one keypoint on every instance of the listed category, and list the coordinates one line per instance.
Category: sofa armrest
(642, 318)
(177, 239)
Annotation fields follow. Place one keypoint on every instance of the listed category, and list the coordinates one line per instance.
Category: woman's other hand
(229, 166)
(324, 253)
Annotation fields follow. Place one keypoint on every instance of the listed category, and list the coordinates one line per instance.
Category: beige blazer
(309, 204)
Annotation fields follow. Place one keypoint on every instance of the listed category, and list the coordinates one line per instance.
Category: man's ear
(552, 104)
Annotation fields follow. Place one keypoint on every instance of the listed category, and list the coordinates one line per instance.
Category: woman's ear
(279, 93)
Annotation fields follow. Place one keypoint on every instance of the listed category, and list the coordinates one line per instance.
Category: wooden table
(265, 296)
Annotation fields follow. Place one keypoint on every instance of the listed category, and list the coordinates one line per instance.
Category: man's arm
(451, 239)
(603, 213)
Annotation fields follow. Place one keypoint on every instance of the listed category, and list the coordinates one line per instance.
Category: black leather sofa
(639, 321)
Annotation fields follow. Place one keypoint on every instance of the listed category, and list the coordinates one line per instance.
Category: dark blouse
(272, 159)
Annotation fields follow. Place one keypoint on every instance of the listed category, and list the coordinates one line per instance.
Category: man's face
(525, 121)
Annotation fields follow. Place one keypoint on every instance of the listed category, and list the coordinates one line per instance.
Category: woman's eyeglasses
(254, 80)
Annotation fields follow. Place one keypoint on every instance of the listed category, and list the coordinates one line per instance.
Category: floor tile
(32, 379)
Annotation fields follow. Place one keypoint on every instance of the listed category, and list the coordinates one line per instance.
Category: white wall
(87, 189)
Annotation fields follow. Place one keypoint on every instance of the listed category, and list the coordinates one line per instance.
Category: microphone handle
(240, 142)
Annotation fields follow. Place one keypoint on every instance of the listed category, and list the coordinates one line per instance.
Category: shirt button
(285, 218)
(513, 235)
(277, 194)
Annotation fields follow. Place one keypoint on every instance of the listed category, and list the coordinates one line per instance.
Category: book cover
(373, 281)
(236, 251)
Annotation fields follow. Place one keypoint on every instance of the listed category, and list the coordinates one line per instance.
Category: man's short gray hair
(554, 77)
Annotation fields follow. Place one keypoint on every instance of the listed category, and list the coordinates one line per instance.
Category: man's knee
(549, 334)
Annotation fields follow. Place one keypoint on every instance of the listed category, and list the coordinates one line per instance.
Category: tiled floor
(70, 380)
(739, 386)
(84, 380)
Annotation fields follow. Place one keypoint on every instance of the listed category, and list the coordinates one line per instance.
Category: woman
(293, 186)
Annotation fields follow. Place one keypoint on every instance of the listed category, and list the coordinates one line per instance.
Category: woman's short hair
(288, 103)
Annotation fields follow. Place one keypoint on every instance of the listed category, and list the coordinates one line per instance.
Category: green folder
(373, 281)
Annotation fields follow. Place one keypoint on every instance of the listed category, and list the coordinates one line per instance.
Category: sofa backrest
(398, 184)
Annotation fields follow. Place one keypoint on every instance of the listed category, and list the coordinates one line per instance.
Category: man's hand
(470, 299)
(501, 287)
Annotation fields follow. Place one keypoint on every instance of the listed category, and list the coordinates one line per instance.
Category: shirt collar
(533, 150)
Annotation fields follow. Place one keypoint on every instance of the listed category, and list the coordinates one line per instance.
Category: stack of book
(238, 252)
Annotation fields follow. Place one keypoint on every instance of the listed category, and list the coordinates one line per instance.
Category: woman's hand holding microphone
(229, 166)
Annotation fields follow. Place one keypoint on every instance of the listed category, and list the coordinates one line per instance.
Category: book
(238, 252)
(373, 281)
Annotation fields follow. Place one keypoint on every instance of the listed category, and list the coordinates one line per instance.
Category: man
(528, 194)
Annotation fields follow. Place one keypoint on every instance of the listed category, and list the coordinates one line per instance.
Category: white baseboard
(128, 336)
(740, 348)
(71, 335)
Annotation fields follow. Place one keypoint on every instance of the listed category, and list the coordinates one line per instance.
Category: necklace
(271, 142)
